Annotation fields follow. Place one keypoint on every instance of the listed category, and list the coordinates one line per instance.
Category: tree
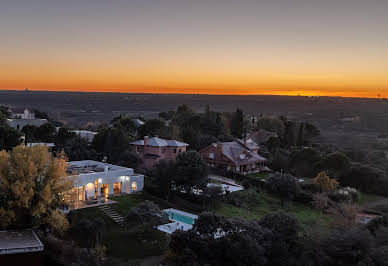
(320, 201)
(302, 162)
(63, 137)
(33, 185)
(45, 132)
(128, 158)
(366, 178)
(111, 142)
(325, 183)
(92, 229)
(271, 124)
(237, 128)
(146, 212)
(182, 114)
(285, 229)
(284, 185)
(285, 226)
(29, 132)
(167, 115)
(152, 127)
(4, 110)
(78, 149)
(125, 124)
(273, 144)
(40, 115)
(3, 119)
(215, 240)
(160, 178)
(191, 136)
(9, 137)
(211, 123)
(211, 194)
(190, 172)
(348, 247)
(336, 163)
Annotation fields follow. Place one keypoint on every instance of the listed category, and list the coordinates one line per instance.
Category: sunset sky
(294, 47)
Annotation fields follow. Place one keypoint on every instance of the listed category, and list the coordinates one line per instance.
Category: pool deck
(176, 225)
(172, 227)
(181, 212)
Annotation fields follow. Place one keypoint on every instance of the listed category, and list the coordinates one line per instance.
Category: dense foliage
(33, 186)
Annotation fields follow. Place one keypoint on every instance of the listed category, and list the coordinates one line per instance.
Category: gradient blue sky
(331, 47)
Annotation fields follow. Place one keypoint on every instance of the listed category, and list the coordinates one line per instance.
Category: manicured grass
(122, 243)
(266, 204)
(126, 202)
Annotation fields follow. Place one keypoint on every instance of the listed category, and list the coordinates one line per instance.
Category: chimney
(219, 147)
(146, 141)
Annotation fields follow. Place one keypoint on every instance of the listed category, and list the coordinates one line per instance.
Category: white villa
(22, 114)
(22, 118)
(94, 180)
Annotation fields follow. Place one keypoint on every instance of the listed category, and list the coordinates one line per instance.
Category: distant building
(22, 114)
(235, 156)
(261, 136)
(20, 123)
(138, 122)
(20, 247)
(152, 150)
(93, 180)
(20, 118)
(45, 144)
(85, 134)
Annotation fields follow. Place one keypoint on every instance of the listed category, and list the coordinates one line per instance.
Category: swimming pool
(180, 216)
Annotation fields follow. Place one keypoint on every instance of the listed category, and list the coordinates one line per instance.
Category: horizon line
(199, 93)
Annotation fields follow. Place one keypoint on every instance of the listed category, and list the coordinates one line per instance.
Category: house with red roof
(235, 156)
(152, 150)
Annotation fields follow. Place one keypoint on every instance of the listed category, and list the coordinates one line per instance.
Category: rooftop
(84, 131)
(159, 142)
(46, 144)
(20, 241)
(90, 167)
(238, 153)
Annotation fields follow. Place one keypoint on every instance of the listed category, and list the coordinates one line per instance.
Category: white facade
(20, 123)
(25, 115)
(94, 179)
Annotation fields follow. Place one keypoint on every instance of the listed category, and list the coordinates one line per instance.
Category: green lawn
(260, 204)
(126, 202)
(121, 243)
(135, 246)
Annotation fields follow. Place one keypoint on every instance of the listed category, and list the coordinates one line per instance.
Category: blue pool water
(180, 217)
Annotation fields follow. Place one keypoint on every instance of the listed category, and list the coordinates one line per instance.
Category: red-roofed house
(235, 156)
(152, 150)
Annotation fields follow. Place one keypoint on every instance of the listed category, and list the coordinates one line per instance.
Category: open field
(255, 205)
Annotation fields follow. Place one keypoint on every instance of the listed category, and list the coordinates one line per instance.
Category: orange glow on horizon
(163, 90)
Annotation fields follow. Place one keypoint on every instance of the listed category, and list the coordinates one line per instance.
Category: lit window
(211, 155)
(134, 186)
